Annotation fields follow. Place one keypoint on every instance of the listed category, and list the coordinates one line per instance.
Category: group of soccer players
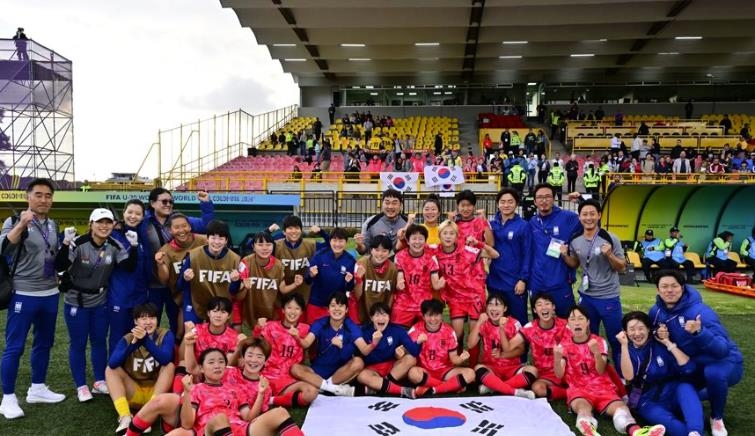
(323, 322)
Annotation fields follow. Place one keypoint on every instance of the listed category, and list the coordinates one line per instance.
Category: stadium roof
(384, 42)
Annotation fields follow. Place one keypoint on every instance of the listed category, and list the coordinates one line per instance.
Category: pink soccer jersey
(285, 352)
(434, 353)
(459, 269)
(542, 342)
(210, 400)
(225, 341)
(475, 227)
(246, 387)
(490, 335)
(417, 272)
(580, 366)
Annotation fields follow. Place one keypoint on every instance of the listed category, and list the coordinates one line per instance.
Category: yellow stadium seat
(634, 258)
(695, 258)
(735, 257)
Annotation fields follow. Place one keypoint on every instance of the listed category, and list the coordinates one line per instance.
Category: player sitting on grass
(285, 337)
(215, 407)
(141, 366)
(215, 333)
(337, 339)
(500, 371)
(393, 353)
(581, 358)
(439, 370)
(542, 334)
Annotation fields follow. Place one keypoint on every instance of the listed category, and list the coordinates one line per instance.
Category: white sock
(10, 398)
(35, 386)
(330, 381)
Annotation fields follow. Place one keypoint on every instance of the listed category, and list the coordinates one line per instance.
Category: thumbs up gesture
(694, 326)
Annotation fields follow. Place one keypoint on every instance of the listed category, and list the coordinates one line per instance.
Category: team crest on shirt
(390, 340)
(659, 361)
(443, 343)
(681, 321)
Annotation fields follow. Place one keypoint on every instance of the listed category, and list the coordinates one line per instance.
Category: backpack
(8, 271)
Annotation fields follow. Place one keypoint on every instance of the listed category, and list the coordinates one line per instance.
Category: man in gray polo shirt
(388, 222)
(35, 298)
(601, 257)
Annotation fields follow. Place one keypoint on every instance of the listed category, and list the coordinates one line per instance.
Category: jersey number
(287, 351)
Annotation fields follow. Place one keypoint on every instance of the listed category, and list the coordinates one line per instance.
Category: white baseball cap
(101, 214)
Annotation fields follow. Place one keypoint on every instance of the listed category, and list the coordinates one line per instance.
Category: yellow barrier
(683, 179)
(667, 142)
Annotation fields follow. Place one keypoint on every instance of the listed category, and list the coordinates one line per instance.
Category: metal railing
(195, 148)
(682, 179)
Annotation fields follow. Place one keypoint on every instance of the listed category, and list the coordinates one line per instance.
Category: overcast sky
(145, 65)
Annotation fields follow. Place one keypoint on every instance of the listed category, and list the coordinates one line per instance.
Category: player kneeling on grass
(500, 371)
(439, 368)
(285, 337)
(337, 339)
(393, 354)
(215, 407)
(141, 365)
(542, 334)
(581, 358)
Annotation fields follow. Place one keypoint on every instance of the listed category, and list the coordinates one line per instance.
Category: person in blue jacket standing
(158, 234)
(510, 272)
(655, 368)
(331, 270)
(128, 289)
(551, 227)
(696, 329)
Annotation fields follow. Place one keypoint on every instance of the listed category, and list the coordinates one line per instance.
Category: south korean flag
(378, 416)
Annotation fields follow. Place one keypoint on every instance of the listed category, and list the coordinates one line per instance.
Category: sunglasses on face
(166, 201)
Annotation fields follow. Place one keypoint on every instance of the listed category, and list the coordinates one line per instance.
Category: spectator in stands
(344, 133)
(541, 142)
(295, 174)
(600, 113)
(274, 139)
(717, 253)
(737, 159)
(643, 130)
(290, 143)
(353, 167)
(618, 119)
(664, 165)
(688, 109)
(530, 141)
(751, 162)
(616, 142)
(555, 120)
(543, 167)
(302, 143)
(682, 165)
(408, 143)
(325, 156)
(677, 150)
(541, 110)
(673, 251)
(368, 126)
(636, 146)
(332, 113)
(505, 141)
(725, 123)
(716, 167)
(438, 145)
(745, 132)
(531, 167)
(401, 164)
(317, 128)
(572, 172)
(648, 165)
(487, 145)
(651, 251)
(644, 149)
(481, 168)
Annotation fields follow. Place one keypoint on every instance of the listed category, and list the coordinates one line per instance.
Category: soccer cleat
(10, 408)
(407, 392)
(123, 423)
(84, 394)
(655, 430)
(524, 393)
(586, 428)
(343, 390)
(43, 394)
(421, 391)
(100, 387)
(717, 427)
(484, 390)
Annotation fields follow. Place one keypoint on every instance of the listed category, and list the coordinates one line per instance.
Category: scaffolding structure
(36, 115)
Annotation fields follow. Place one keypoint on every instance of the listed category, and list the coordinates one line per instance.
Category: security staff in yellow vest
(717, 254)
(747, 250)
(517, 176)
(141, 365)
(673, 251)
(556, 178)
(591, 180)
(290, 143)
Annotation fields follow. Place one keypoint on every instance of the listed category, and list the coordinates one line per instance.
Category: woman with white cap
(85, 264)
